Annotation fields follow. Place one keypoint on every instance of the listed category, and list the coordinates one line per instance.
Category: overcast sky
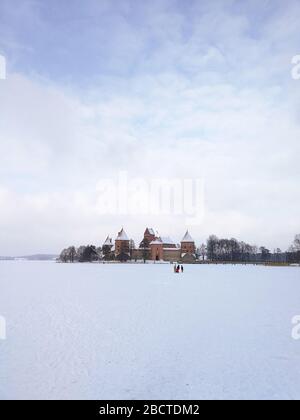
(165, 88)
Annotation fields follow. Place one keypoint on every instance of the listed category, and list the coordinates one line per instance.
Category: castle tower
(149, 235)
(108, 243)
(157, 250)
(122, 244)
(107, 249)
(188, 244)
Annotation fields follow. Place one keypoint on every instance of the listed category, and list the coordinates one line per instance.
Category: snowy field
(143, 332)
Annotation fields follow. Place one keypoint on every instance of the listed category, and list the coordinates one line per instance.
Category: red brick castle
(153, 247)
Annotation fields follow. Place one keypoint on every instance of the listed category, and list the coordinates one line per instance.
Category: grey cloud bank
(189, 89)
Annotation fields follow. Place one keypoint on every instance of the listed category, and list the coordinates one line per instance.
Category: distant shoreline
(266, 264)
(36, 257)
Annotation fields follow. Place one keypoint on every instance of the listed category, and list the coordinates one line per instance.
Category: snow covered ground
(135, 331)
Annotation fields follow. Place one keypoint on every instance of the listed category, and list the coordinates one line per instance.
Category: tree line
(293, 254)
(87, 253)
(232, 250)
(90, 253)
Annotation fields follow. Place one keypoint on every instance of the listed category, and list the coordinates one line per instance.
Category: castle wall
(188, 247)
(157, 252)
(172, 254)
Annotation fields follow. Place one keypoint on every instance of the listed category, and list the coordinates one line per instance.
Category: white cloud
(215, 104)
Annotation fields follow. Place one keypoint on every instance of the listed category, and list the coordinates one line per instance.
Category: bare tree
(145, 247)
(72, 253)
(64, 256)
(297, 242)
(212, 245)
(202, 251)
(131, 248)
(107, 253)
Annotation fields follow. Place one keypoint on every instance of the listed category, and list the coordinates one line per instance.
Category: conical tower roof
(108, 242)
(122, 236)
(187, 237)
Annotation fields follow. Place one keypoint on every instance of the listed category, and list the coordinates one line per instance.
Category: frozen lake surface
(143, 332)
